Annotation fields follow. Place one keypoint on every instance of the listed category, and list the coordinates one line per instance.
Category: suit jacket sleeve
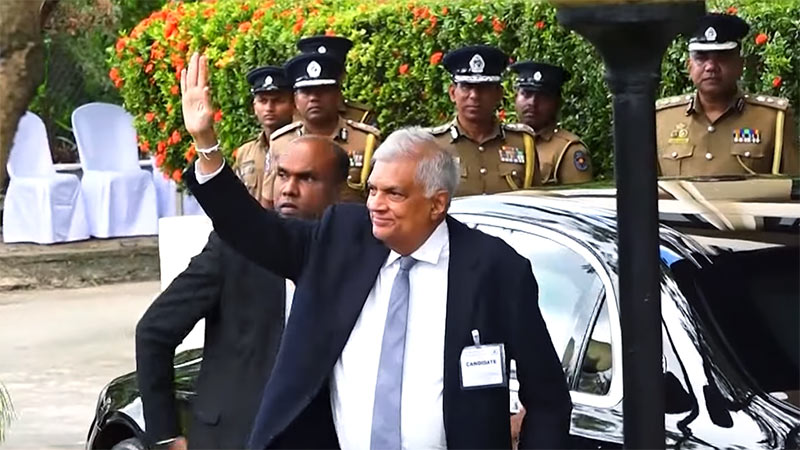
(543, 386)
(168, 320)
(280, 245)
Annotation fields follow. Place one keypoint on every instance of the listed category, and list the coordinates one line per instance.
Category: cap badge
(477, 64)
(537, 76)
(322, 49)
(314, 69)
(267, 81)
(711, 34)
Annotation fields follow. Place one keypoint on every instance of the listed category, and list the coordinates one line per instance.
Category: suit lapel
(462, 281)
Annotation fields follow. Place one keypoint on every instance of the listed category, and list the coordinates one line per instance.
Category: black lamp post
(631, 36)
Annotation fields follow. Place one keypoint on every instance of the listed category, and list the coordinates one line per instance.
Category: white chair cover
(167, 195)
(120, 197)
(41, 205)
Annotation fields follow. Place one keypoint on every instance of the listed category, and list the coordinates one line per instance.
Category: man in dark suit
(404, 319)
(244, 307)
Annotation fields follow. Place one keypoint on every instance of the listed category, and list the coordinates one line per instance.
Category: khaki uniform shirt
(499, 164)
(742, 141)
(357, 139)
(563, 158)
(250, 163)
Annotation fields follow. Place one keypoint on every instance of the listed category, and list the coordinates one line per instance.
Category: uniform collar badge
(314, 69)
(477, 64)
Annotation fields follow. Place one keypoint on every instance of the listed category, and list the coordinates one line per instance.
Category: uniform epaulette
(669, 102)
(769, 101)
(285, 129)
(357, 105)
(568, 136)
(441, 129)
(364, 127)
(519, 127)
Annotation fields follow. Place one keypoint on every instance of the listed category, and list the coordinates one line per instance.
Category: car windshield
(753, 299)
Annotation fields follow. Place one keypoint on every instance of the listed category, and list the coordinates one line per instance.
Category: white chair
(167, 196)
(120, 196)
(41, 205)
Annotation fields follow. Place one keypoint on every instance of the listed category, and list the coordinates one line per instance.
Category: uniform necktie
(388, 389)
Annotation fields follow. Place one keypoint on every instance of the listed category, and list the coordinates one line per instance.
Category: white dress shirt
(356, 372)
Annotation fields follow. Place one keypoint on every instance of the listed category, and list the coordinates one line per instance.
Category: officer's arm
(575, 165)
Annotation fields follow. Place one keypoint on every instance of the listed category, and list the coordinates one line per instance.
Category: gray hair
(437, 169)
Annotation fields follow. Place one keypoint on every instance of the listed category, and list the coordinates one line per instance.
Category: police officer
(317, 96)
(338, 47)
(493, 157)
(273, 106)
(563, 158)
(719, 130)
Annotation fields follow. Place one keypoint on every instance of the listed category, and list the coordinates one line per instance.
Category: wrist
(205, 140)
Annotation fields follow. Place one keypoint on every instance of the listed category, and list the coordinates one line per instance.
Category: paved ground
(58, 348)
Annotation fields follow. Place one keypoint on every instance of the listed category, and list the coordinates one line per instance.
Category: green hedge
(394, 65)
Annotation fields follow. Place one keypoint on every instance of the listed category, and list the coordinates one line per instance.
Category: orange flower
(113, 74)
(170, 28)
(176, 175)
(160, 157)
(174, 89)
(208, 13)
(445, 10)
(761, 39)
(144, 146)
(776, 82)
(175, 137)
(181, 46)
(540, 24)
(436, 58)
(148, 68)
(330, 32)
(139, 60)
(245, 7)
(331, 20)
(497, 25)
(403, 69)
(162, 126)
(732, 10)
(121, 42)
(190, 154)
(118, 83)
(479, 19)
(161, 148)
(244, 26)
(501, 115)
(235, 153)
(218, 115)
(149, 117)
(298, 25)
(258, 14)
(169, 108)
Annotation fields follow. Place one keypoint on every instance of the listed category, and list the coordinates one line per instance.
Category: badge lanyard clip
(476, 337)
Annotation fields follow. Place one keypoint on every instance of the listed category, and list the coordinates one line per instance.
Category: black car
(730, 327)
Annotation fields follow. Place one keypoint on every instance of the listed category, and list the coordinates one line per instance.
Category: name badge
(483, 366)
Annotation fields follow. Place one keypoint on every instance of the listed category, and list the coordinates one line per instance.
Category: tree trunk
(21, 67)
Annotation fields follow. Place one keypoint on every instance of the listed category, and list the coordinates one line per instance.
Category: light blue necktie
(389, 387)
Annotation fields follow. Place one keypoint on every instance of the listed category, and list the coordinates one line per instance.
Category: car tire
(129, 444)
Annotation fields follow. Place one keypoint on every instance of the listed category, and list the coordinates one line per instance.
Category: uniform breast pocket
(753, 157)
(513, 174)
(247, 173)
(671, 156)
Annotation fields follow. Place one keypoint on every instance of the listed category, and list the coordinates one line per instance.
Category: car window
(569, 289)
(596, 367)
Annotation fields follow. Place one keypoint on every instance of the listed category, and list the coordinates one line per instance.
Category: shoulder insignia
(364, 127)
(568, 135)
(357, 105)
(285, 129)
(669, 102)
(768, 101)
(519, 127)
(441, 129)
